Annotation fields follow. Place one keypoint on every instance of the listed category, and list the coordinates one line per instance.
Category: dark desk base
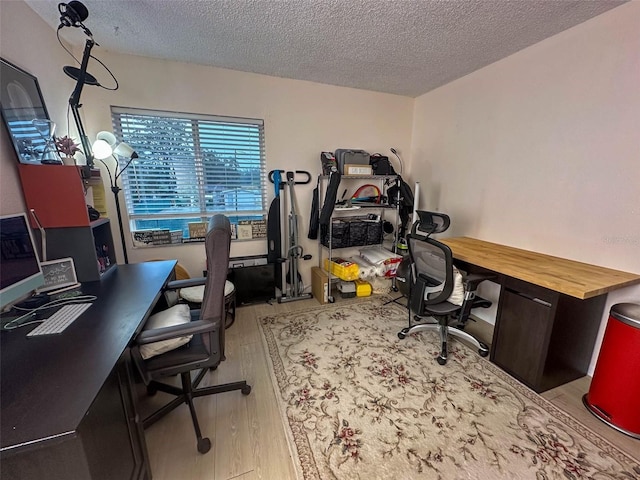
(542, 337)
(68, 409)
(108, 444)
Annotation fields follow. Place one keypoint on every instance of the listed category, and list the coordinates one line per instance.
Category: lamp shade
(125, 150)
(108, 137)
(106, 145)
(101, 149)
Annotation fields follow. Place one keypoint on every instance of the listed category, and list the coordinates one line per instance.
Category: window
(191, 167)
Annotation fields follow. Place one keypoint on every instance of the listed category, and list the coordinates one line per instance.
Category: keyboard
(60, 320)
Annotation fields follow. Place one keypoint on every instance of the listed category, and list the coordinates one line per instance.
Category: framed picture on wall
(25, 115)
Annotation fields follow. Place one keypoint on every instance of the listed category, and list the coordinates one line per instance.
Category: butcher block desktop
(549, 311)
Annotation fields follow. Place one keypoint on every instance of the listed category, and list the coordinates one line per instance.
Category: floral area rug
(359, 403)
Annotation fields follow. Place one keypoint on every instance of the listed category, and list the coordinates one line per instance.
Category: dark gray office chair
(205, 350)
(427, 277)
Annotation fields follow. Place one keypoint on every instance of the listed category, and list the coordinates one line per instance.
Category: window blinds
(191, 165)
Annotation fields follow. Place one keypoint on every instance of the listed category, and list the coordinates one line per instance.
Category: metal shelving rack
(383, 182)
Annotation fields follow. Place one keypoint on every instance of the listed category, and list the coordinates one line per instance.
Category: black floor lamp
(107, 146)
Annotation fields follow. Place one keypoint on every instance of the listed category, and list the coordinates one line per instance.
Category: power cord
(16, 322)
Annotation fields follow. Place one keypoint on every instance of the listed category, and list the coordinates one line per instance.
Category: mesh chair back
(433, 269)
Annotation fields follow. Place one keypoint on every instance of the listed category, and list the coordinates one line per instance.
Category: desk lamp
(105, 146)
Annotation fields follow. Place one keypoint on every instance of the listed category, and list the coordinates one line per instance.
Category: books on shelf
(198, 230)
(145, 238)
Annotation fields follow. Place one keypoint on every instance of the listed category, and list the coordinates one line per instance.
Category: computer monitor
(20, 272)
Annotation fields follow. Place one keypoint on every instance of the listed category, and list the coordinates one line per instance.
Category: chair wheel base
(442, 360)
(246, 390)
(204, 445)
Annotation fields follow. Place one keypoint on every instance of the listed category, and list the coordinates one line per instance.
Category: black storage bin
(352, 232)
(358, 233)
(339, 234)
(374, 233)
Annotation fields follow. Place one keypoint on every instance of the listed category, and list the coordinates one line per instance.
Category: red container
(614, 394)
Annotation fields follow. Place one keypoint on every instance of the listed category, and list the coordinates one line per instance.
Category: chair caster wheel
(204, 445)
(442, 360)
(246, 390)
(331, 300)
(483, 350)
(402, 334)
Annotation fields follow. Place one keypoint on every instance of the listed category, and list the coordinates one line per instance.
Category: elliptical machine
(294, 251)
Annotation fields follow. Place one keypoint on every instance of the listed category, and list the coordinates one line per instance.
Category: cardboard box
(320, 284)
(351, 169)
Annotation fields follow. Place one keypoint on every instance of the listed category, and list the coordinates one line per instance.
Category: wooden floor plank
(568, 397)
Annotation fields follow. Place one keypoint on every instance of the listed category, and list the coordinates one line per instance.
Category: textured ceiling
(406, 47)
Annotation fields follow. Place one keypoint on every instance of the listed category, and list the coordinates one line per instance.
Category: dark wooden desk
(67, 408)
(549, 311)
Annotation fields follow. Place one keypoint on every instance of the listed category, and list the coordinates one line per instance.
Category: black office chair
(428, 278)
(205, 350)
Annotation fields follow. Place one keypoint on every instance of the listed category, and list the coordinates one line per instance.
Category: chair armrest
(187, 282)
(473, 280)
(175, 331)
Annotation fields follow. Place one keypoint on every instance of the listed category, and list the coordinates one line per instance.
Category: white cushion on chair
(193, 294)
(176, 315)
(457, 294)
(196, 294)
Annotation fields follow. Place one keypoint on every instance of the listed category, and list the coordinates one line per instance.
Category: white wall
(541, 150)
(27, 42)
(301, 118)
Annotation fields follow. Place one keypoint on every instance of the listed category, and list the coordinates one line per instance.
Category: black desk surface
(47, 383)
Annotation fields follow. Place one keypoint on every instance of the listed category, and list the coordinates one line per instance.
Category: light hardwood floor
(247, 434)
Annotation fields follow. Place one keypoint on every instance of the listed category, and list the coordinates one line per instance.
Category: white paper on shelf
(382, 258)
(377, 255)
(366, 268)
